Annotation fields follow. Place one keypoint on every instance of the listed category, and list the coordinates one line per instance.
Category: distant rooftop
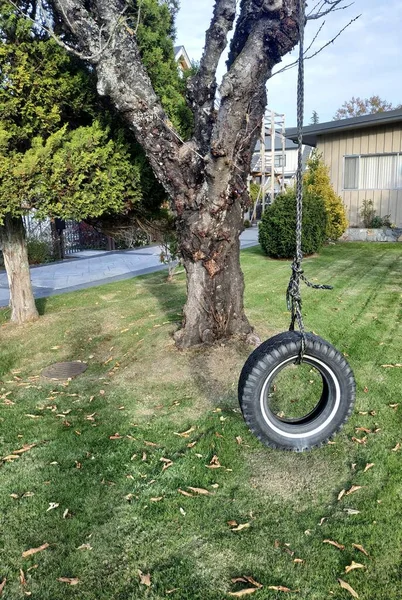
(182, 57)
(312, 132)
(289, 144)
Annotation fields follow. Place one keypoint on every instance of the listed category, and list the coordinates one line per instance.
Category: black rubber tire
(330, 414)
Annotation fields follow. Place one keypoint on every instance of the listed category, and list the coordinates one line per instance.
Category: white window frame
(359, 172)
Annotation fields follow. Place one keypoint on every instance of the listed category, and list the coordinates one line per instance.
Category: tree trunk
(206, 176)
(13, 245)
(209, 244)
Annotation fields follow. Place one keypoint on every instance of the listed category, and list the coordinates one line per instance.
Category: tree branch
(326, 7)
(122, 76)
(264, 33)
(296, 62)
(202, 87)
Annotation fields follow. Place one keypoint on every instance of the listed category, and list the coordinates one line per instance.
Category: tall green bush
(317, 182)
(277, 232)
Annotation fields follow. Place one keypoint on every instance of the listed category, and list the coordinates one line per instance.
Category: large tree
(56, 158)
(205, 176)
(357, 107)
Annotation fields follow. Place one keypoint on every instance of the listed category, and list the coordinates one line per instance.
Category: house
(182, 58)
(364, 155)
(285, 164)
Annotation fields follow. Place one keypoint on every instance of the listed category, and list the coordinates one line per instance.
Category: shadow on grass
(41, 305)
(171, 296)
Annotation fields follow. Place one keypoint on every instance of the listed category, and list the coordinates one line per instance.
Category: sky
(364, 61)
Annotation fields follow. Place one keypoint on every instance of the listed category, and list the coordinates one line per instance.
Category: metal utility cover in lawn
(64, 370)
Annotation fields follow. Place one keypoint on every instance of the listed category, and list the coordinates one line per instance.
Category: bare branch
(326, 7)
(295, 63)
(47, 27)
(315, 37)
(122, 76)
(202, 87)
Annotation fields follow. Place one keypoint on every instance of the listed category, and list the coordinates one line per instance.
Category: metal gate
(81, 236)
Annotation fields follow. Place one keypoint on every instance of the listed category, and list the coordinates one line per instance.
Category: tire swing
(284, 419)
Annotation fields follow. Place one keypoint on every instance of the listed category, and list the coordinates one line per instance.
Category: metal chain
(293, 295)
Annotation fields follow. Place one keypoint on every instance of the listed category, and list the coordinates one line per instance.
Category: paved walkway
(92, 267)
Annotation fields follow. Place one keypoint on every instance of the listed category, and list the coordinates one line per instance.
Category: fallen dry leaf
(52, 506)
(241, 527)
(347, 587)
(200, 491)
(167, 463)
(397, 447)
(247, 579)
(232, 523)
(214, 464)
(145, 578)
(158, 499)
(10, 457)
(361, 441)
(279, 588)
(183, 493)
(2, 585)
(341, 494)
(84, 547)
(116, 436)
(182, 511)
(298, 560)
(351, 511)
(360, 548)
(23, 581)
(25, 448)
(185, 434)
(34, 550)
(336, 544)
(151, 444)
(241, 593)
(239, 440)
(354, 566)
(69, 580)
(368, 466)
(191, 445)
(353, 489)
(397, 365)
(362, 429)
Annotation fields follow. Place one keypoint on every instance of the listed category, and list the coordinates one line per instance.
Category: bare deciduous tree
(206, 177)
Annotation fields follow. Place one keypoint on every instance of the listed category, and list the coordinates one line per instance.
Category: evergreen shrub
(318, 182)
(277, 231)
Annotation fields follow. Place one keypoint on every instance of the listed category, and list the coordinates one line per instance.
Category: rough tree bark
(13, 245)
(206, 178)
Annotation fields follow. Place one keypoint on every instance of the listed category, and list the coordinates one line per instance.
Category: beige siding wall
(376, 140)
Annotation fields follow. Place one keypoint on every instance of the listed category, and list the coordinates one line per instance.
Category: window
(280, 160)
(351, 173)
(373, 172)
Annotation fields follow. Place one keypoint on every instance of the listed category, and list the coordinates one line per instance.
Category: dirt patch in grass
(215, 371)
(297, 478)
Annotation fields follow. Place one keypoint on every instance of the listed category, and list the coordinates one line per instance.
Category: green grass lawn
(107, 483)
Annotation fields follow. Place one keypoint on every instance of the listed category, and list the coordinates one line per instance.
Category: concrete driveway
(93, 267)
